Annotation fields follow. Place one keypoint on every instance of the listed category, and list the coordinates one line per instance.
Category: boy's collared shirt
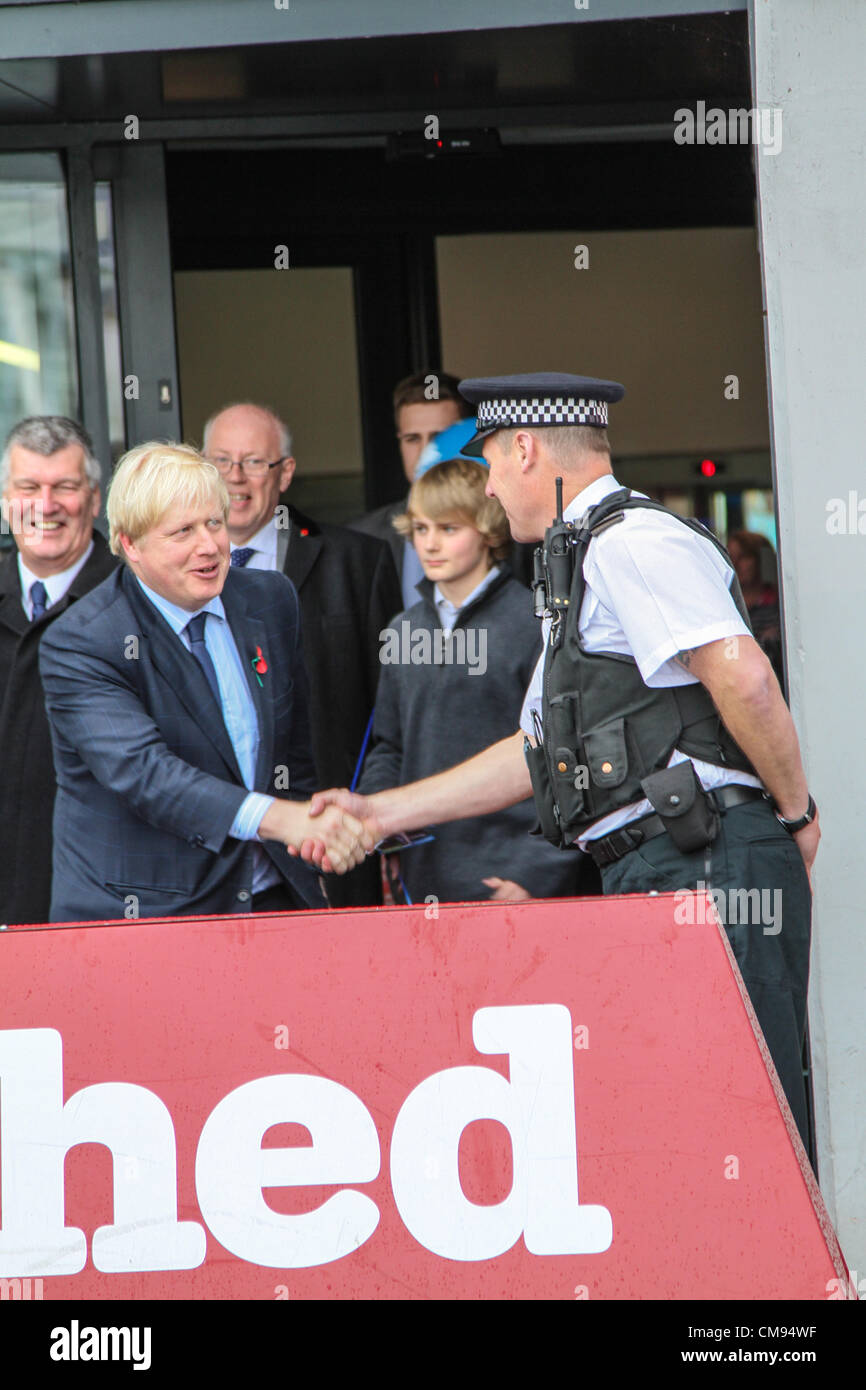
(450, 612)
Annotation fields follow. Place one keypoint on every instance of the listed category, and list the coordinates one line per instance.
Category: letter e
(232, 1168)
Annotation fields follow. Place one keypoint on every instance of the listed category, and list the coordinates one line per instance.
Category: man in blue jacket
(177, 698)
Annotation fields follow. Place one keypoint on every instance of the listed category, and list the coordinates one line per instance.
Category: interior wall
(670, 314)
(285, 338)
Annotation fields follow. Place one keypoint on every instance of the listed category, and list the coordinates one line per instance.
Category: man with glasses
(49, 480)
(347, 586)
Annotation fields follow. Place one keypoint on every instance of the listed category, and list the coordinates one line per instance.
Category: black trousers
(768, 925)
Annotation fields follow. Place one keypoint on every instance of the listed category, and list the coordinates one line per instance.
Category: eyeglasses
(255, 468)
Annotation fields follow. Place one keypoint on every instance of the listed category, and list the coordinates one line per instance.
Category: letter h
(36, 1132)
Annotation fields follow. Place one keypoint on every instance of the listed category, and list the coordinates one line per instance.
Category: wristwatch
(792, 826)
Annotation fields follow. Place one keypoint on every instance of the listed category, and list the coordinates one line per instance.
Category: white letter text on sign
(536, 1106)
(231, 1168)
(36, 1132)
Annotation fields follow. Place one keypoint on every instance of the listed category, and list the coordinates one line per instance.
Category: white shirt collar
(440, 599)
(264, 541)
(595, 492)
(177, 617)
(56, 585)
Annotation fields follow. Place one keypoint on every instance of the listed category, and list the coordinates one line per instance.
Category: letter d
(537, 1108)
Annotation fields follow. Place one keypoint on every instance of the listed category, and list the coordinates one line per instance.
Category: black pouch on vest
(683, 806)
(548, 825)
(567, 777)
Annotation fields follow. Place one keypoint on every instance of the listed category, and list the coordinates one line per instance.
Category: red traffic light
(707, 468)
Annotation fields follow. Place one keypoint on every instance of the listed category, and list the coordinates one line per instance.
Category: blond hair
(150, 479)
(455, 491)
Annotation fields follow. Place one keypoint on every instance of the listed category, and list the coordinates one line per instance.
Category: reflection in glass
(110, 319)
(38, 372)
(758, 513)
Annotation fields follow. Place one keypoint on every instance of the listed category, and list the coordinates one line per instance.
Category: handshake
(334, 831)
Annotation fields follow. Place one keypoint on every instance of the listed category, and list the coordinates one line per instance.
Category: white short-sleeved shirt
(654, 587)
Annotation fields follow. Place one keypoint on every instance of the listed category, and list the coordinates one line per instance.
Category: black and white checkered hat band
(540, 410)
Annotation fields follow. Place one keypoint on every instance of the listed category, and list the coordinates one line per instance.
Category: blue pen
(359, 764)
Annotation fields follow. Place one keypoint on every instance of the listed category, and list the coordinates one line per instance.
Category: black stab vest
(604, 728)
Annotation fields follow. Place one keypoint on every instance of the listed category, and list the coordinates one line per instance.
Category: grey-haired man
(49, 479)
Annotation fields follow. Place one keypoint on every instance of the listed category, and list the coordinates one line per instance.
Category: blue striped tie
(195, 628)
(38, 598)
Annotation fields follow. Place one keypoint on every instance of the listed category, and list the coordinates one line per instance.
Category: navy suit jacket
(147, 780)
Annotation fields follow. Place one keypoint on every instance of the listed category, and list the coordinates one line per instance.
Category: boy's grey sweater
(431, 716)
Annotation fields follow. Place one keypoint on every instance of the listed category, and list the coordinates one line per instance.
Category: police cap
(536, 398)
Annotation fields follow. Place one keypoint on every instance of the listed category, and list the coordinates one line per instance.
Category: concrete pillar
(807, 62)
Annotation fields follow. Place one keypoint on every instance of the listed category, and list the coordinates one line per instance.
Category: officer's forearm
(496, 778)
(747, 696)
(765, 731)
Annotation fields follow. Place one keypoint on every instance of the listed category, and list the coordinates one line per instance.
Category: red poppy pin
(259, 664)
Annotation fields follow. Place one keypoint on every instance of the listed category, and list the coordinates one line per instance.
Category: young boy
(455, 667)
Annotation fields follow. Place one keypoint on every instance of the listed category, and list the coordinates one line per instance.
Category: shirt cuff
(249, 817)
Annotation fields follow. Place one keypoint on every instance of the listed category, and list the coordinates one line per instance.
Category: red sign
(535, 1100)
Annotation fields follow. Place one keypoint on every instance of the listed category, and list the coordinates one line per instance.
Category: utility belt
(683, 810)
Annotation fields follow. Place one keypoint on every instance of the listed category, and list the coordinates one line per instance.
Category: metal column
(146, 295)
(88, 305)
(807, 62)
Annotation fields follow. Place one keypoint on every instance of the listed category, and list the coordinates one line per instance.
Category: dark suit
(27, 783)
(349, 591)
(147, 780)
(379, 524)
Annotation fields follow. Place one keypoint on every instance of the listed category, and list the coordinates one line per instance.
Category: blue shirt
(239, 716)
(450, 612)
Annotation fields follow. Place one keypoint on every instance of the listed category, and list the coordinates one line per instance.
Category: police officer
(654, 733)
